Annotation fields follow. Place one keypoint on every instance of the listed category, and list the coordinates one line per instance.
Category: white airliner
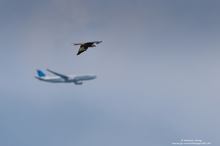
(61, 78)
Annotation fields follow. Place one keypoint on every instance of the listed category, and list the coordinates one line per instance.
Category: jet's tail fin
(40, 73)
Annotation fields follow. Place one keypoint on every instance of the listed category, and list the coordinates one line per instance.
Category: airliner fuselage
(60, 78)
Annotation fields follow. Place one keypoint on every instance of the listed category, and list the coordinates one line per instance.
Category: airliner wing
(58, 74)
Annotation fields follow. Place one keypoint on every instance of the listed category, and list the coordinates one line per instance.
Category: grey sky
(158, 72)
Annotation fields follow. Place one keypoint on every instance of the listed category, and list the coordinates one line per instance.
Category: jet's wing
(58, 74)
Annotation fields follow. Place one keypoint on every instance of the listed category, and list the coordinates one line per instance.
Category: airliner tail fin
(40, 73)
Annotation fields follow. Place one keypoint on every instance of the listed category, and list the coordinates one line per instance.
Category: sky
(158, 72)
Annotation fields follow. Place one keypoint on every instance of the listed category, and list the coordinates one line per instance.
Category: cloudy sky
(158, 72)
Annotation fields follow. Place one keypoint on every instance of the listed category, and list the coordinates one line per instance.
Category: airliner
(61, 78)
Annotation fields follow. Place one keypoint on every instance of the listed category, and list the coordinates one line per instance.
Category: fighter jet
(61, 78)
(86, 45)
